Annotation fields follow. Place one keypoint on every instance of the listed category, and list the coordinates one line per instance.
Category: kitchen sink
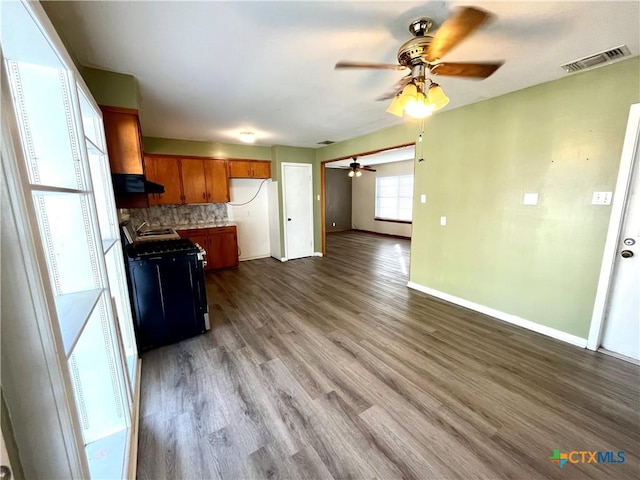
(156, 231)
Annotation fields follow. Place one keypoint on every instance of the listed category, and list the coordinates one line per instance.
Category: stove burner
(182, 245)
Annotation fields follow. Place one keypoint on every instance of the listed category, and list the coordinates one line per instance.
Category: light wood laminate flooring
(323, 368)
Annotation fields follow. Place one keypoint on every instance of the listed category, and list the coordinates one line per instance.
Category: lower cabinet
(221, 244)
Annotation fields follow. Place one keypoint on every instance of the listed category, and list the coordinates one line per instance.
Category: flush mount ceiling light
(415, 102)
(247, 137)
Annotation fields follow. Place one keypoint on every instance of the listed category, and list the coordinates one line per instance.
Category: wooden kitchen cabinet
(249, 169)
(124, 142)
(221, 244)
(194, 185)
(217, 177)
(223, 247)
(188, 180)
(165, 171)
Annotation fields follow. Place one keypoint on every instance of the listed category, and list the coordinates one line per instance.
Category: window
(394, 198)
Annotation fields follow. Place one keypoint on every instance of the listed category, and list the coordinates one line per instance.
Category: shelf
(106, 456)
(74, 309)
(107, 243)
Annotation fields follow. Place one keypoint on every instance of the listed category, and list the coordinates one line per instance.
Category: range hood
(125, 183)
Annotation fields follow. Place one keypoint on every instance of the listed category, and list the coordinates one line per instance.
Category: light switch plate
(443, 221)
(530, 199)
(423, 198)
(601, 198)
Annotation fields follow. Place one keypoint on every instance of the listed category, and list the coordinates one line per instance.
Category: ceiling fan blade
(396, 89)
(454, 30)
(378, 66)
(368, 169)
(470, 70)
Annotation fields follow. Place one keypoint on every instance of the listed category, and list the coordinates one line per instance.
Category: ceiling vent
(597, 59)
(326, 142)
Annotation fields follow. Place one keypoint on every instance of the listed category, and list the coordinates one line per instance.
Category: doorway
(390, 163)
(297, 194)
(615, 324)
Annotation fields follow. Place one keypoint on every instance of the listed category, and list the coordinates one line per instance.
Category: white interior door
(297, 192)
(622, 323)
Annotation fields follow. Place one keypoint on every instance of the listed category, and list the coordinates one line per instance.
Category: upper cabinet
(194, 185)
(217, 177)
(124, 143)
(165, 171)
(249, 169)
(188, 180)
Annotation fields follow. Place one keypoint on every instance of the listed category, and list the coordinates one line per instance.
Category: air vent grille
(597, 59)
(326, 142)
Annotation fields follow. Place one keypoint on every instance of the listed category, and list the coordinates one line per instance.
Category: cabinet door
(165, 171)
(240, 168)
(217, 180)
(122, 133)
(261, 169)
(223, 247)
(193, 182)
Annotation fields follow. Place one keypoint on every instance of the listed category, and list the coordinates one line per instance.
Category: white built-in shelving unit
(60, 171)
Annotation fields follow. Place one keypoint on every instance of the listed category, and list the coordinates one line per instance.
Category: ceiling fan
(355, 169)
(415, 94)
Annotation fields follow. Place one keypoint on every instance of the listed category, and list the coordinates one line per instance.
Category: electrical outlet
(601, 198)
(333, 224)
(423, 198)
(443, 221)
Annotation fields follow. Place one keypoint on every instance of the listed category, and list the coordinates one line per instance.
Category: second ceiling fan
(416, 94)
(355, 169)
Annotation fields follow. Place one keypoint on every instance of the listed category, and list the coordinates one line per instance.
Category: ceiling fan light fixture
(436, 97)
(396, 107)
(358, 173)
(419, 107)
(351, 173)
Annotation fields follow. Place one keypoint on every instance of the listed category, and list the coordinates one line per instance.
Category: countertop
(193, 226)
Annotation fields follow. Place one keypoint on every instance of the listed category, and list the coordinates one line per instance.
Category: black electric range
(167, 290)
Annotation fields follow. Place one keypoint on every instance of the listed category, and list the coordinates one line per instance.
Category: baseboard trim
(499, 315)
(619, 356)
(256, 257)
(380, 233)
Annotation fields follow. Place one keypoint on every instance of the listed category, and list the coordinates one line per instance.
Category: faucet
(140, 226)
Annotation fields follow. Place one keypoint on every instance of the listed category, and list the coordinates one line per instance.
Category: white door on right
(622, 322)
(297, 193)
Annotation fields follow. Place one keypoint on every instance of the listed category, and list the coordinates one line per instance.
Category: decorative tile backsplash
(177, 214)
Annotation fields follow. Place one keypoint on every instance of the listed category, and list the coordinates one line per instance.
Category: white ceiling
(208, 70)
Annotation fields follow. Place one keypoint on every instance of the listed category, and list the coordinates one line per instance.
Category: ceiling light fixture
(247, 137)
(414, 102)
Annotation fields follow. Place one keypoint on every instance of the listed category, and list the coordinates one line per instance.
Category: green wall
(172, 146)
(111, 88)
(561, 139)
